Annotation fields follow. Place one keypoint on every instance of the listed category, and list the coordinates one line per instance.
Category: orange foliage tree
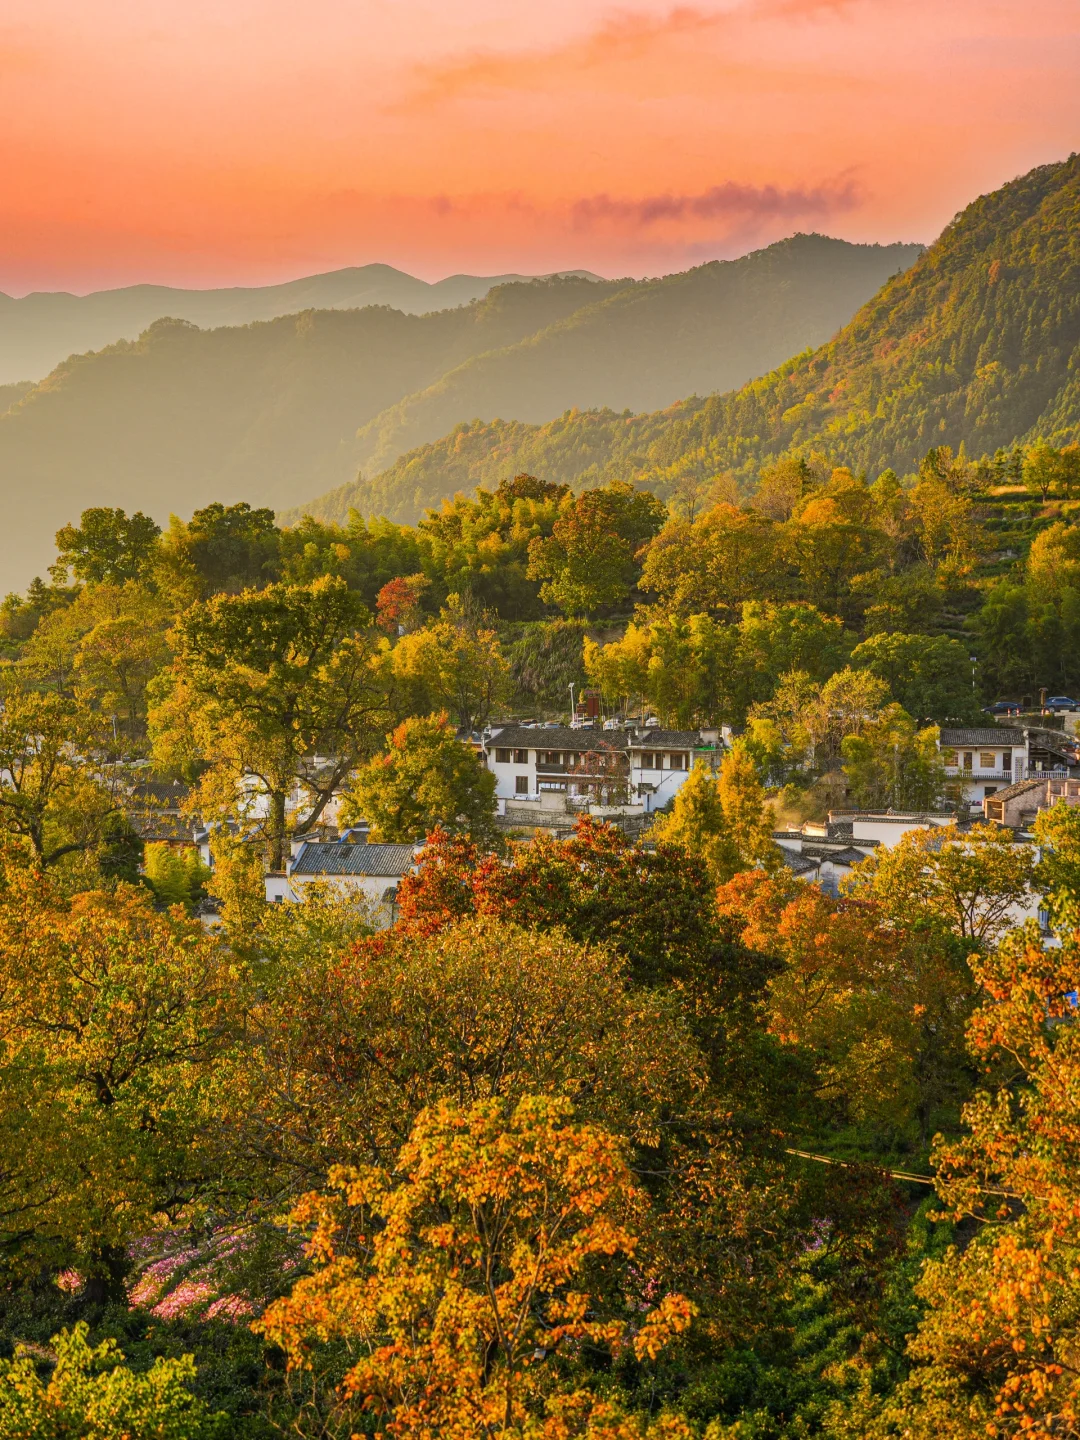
(878, 1010)
(997, 1352)
(654, 905)
(471, 1280)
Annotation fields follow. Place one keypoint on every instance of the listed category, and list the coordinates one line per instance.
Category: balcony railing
(1006, 775)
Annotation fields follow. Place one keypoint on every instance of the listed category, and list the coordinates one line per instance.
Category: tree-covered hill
(269, 412)
(649, 345)
(977, 344)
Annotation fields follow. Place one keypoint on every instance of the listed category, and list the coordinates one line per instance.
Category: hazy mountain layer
(38, 331)
(977, 344)
(270, 412)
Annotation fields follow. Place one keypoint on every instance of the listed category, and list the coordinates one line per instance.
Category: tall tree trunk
(277, 830)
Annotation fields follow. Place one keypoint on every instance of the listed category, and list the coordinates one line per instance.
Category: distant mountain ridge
(39, 330)
(276, 411)
(978, 343)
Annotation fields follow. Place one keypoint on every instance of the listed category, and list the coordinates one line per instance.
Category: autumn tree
(455, 663)
(994, 1352)
(349, 1043)
(426, 777)
(879, 1009)
(397, 605)
(727, 556)
(471, 1278)
(588, 560)
(272, 692)
(58, 792)
(834, 536)
(968, 882)
(111, 1014)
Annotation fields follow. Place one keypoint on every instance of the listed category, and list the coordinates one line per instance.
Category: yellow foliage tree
(471, 1278)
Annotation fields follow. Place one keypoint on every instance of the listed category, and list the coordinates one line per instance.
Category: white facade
(646, 766)
(367, 874)
(984, 761)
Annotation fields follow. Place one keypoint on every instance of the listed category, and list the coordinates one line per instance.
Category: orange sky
(243, 141)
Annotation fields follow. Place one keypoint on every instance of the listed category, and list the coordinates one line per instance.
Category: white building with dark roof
(983, 760)
(370, 873)
(643, 766)
(1017, 806)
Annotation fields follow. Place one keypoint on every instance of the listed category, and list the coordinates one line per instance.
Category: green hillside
(648, 345)
(270, 412)
(977, 344)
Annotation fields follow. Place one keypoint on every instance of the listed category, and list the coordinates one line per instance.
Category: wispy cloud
(622, 37)
(729, 201)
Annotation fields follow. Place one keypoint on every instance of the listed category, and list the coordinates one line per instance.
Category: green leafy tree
(107, 547)
(57, 795)
(272, 692)
(177, 877)
(588, 561)
(722, 817)
(892, 764)
(929, 675)
(91, 1394)
(426, 778)
(969, 882)
(224, 549)
(1057, 833)
(689, 670)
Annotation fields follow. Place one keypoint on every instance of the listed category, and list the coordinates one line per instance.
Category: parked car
(1062, 702)
(1003, 707)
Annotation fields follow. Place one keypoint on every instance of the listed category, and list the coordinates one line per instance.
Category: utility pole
(572, 716)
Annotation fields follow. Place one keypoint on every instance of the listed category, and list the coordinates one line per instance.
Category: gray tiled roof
(337, 859)
(561, 737)
(999, 736)
(796, 863)
(1010, 792)
(850, 856)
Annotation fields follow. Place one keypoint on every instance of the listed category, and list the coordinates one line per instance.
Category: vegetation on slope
(978, 344)
(271, 411)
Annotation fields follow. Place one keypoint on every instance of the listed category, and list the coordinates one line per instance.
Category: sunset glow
(188, 142)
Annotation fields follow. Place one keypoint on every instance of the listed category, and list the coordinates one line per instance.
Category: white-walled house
(370, 873)
(647, 765)
(983, 760)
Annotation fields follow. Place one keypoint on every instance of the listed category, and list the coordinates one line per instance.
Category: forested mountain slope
(648, 345)
(977, 344)
(270, 412)
(40, 330)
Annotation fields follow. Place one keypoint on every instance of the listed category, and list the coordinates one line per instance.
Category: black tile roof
(795, 862)
(562, 737)
(338, 859)
(1010, 792)
(1002, 735)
